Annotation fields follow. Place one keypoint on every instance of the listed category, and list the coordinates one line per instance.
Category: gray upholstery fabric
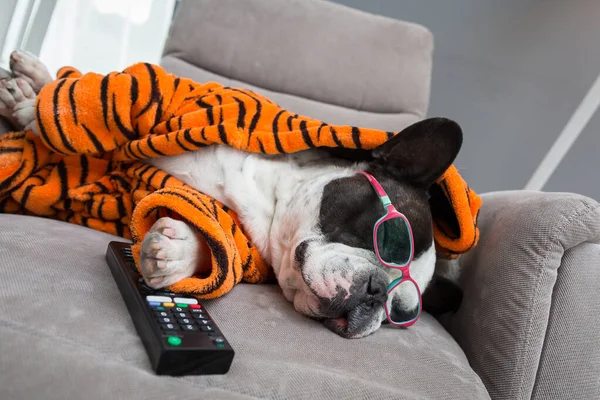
(509, 283)
(308, 49)
(329, 113)
(66, 334)
(571, 358)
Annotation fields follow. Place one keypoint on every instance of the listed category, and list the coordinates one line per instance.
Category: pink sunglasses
(394, 245)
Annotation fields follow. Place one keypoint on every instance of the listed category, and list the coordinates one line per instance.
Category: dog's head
(332, 272)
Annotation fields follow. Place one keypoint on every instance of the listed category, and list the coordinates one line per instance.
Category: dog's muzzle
(359, 312)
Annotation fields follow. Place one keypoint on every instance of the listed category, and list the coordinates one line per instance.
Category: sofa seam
(587, 208)
(181, 57)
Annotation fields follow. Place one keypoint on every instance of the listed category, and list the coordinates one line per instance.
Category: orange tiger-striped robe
(85, 166)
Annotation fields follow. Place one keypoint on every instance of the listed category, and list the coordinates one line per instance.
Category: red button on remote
(195, 306)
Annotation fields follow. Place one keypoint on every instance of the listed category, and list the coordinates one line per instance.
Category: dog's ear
(421, 153)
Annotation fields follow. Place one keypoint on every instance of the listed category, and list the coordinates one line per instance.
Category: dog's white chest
(260, 189)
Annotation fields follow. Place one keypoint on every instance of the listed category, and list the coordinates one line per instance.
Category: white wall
(6, 11)
(106, 35)
(7, 8)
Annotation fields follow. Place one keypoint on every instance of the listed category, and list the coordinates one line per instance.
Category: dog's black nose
(375, 290)
(374, 287)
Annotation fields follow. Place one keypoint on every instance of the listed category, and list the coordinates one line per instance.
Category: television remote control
(179, 335)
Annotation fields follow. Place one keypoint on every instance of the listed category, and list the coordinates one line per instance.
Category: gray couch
(529, 325)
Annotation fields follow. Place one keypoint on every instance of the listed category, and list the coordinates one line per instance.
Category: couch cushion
(65, 331)
(330, 113)
(311, 48)
(311, 51)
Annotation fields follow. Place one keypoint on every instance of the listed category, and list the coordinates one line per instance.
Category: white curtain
(106, 35)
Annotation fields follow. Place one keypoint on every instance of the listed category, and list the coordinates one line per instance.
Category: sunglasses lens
(405, 304)
(393, 241)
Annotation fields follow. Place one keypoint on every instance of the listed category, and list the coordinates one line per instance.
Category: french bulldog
(310, 214)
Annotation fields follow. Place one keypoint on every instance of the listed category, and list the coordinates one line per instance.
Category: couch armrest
(517, 283)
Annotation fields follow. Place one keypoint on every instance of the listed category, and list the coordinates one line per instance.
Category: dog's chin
(359, 322)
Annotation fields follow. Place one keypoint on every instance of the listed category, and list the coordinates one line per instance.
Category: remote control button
(168, 304)
(174, 340)
(207, 328)
(199, 316)
(165, 320)
(196, 311)
(153, 304)
(203, 321)
(190, 328)
(161, 313)
(219, 340)
(167, 327)
(179, 309)
(181, 315)
(160, 308)
(185, 321)
(182, 300)
(220, 344)
(195, 306)
(160, 299)
(181, 305)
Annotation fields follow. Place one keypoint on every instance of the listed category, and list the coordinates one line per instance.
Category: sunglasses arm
(385, 200)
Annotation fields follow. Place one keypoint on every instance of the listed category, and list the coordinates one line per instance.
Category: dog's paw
(17, 94)
(5, 74)
(24, 115)
(171, 251)
(28, 67)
